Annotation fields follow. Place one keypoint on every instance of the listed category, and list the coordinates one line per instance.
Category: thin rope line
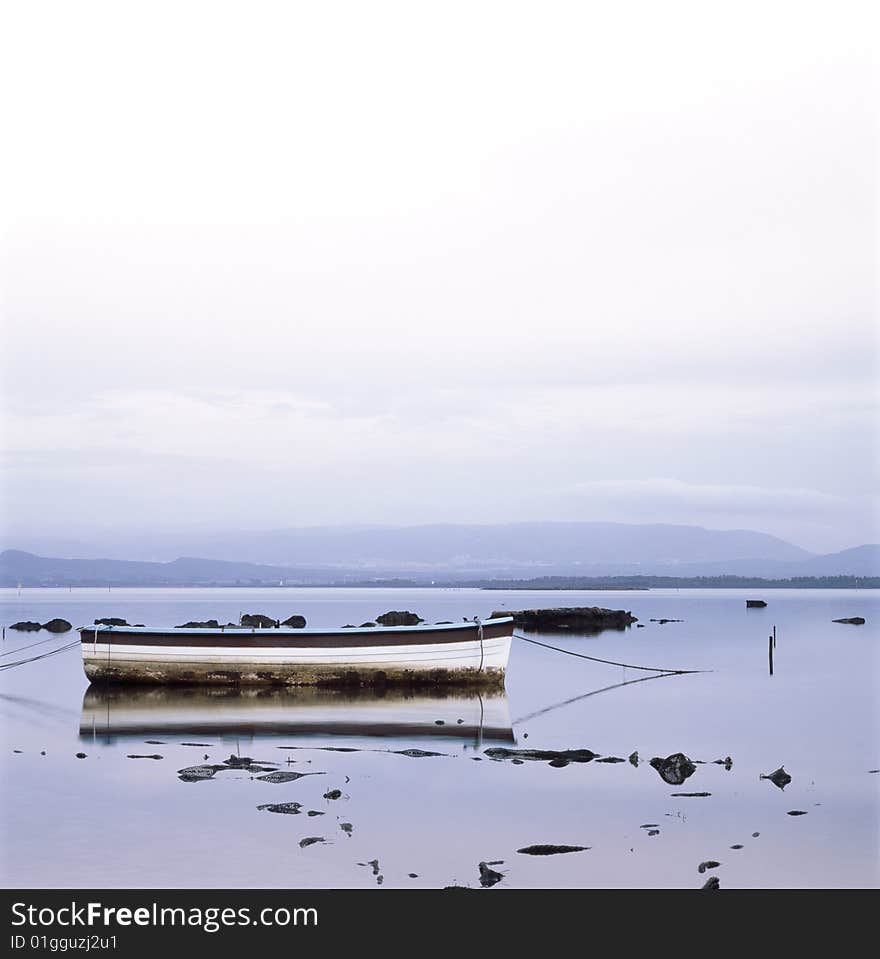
(21, 649)
(608, 662)
(33, 659)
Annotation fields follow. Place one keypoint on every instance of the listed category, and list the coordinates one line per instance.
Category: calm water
(110, 820)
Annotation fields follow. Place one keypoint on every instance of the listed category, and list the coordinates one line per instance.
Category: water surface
(111, 820)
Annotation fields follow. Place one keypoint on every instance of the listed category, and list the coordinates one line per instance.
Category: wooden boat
(469, 652)
(462, 714)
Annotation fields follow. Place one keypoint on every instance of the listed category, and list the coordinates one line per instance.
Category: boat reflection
(110, 713)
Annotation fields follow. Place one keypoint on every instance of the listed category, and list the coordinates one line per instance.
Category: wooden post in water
(774, 637)
(770, 653)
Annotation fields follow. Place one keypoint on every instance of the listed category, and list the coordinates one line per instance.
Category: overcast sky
(287, 264)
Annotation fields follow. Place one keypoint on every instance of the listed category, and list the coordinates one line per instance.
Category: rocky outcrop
(674, 769)
(852, 620)
(258, 621)
(27, 626)
(294, 622)
(195, 624)
(576, 619)
(397, 617)
(58, 625)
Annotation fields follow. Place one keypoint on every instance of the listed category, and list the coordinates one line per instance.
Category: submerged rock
(578, 619)
(488, 876)
(851, 620)
(58, 625)
(26, 626)
(398, 617)
(547, 849)
(779, 777)
(285, 808)
(674, 769)
(542, 755)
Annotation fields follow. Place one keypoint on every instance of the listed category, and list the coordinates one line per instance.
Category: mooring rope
(33, 659)
(21, 649)
(608, 662)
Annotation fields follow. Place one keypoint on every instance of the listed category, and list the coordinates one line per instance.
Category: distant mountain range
(450, 553)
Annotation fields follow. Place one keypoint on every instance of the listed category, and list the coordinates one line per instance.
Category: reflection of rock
(397, 617)
(578, 619)
(755, 604)
(26, 626)
(57, 626)
(851, 621)
(675, 769)
(488, 876)
(546, 849)
(779, 777)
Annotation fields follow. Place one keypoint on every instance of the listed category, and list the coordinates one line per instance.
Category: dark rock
(349, 626)
(542, 755)
(141, 756)
(755, 835)
(852, 621)
(653, 832)
(640, 625)
(444, 622)
(662, 621)
(737, 845)
(397, 617)
(779, 777)
(207, 624)
(58, 626)
(796, 812)
(416, 753)
(111, 621)
(310, 841)
(727, 763)
(755, 604)
(546, 849)
(258, 621)
(285, 808)
(366, 625)
(488, 876)
(315, 812)
(346, 827)
(333, 794)
(557, 763)
(294, 622)
(192, 774)
(26, 626)
(285, 777)
(80, 755)
(708, 864)
(692, 795)
(675, 769)
(611, 759)
(713, 882)
(577, 619)
(439, 722)
(634, 758)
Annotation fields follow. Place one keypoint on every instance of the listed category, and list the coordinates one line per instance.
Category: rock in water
(258, 621)
(488, 876)
(58, 626)
(577, 619)
(675, 769)
(755, 604)
(294, 622)
(779, 777)
(396, 617)
(708, 864)
(852, 621)
(547, 849)
(713, 882)
(195, 624)
(110, 621)
(26, 626)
